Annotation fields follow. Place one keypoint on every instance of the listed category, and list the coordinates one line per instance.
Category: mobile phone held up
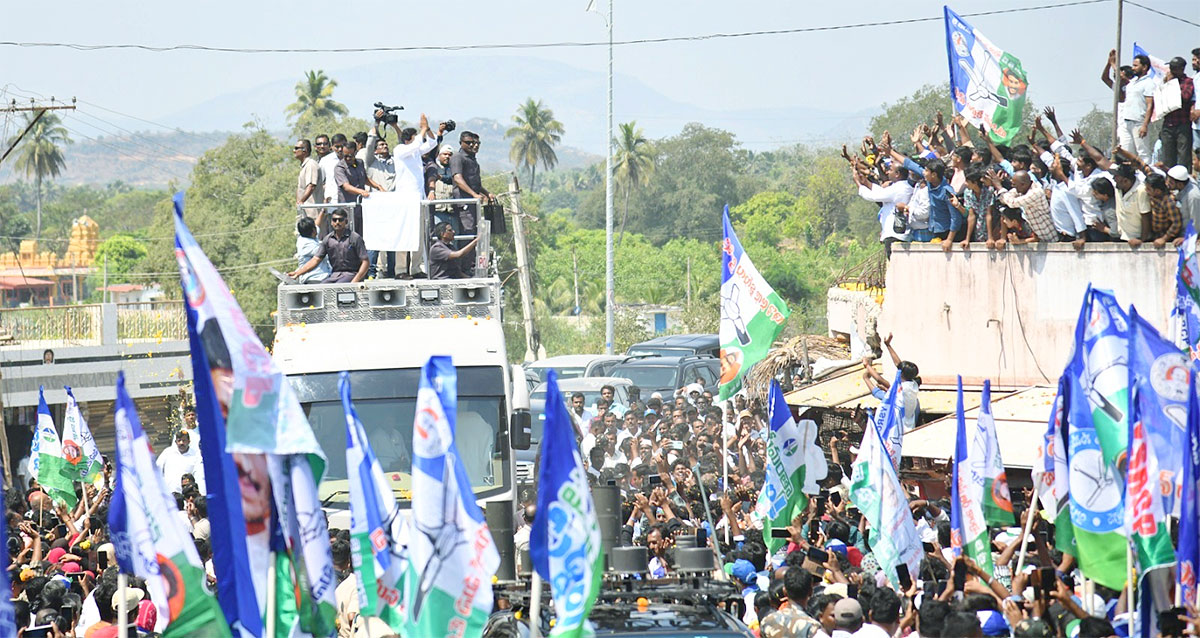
(960, 575)
(904, 578)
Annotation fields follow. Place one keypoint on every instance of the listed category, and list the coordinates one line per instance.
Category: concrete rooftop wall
(1010, 315)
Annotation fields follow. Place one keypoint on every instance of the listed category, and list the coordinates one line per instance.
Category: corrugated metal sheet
(1020, 423)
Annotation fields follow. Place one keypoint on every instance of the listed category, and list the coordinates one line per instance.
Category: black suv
(667, 374)
(678, 345)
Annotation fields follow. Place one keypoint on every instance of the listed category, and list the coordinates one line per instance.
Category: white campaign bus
(383, 332)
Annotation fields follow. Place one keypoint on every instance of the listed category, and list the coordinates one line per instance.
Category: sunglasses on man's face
(339, 220)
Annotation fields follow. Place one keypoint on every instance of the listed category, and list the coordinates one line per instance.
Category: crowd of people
(1058, 187)
(330, 247)
(687, 465)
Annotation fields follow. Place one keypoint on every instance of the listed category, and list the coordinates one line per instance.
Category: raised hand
(1076, 137)
(1049, 112)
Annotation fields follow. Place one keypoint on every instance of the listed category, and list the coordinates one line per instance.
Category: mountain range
(577, 97)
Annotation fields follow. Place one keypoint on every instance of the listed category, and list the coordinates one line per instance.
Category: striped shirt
(1035, 208)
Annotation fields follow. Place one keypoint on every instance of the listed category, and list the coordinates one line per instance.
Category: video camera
(389, 113)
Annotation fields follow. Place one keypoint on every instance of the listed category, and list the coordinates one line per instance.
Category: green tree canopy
(633, 163)
(534, 134)
(314, 98)
(40, 155)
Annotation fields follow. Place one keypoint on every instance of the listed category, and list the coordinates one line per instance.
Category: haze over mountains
(479, 92)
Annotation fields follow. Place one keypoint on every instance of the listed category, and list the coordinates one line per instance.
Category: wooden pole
(8, 473)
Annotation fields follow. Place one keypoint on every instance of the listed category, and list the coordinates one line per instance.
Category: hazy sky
(847, 71)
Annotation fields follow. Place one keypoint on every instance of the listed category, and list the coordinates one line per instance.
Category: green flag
(48, 465)
(794, 466)
(84, 463)
(752, 314)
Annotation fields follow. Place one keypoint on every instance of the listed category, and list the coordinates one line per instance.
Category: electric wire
(532, 45)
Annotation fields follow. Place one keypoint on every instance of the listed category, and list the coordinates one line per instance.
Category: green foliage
(40, 155)
(1097, 128)
(116, 257)
(633, 164)
(120, 254)
(907, 113)
(534, 134)
(314, 98)
(240, 206)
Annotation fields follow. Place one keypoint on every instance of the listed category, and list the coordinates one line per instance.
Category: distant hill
(152, 160)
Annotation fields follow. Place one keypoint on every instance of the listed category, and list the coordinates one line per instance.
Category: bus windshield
(386, 404)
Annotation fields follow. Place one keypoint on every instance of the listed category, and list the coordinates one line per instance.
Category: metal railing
(94, 323)
(158, 320)
(63, 324)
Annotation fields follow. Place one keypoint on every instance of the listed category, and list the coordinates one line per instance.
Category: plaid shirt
(1165, 218)
(1035, 208)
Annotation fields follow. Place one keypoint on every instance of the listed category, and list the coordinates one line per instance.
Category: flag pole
(122, 605)
(1032, 512)
(535, 605)
(725, 473)
(270, 632)
(1131, 602)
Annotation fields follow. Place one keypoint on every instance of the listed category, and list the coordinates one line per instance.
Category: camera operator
(468, 183)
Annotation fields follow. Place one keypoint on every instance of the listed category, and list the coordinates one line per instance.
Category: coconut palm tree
(41, 154)
(533, 138)
(314, 97)
(633, 164)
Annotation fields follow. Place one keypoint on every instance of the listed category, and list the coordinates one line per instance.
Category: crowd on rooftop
(1057, 187)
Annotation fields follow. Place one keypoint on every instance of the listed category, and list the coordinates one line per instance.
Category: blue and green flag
(564, 543)
(452, 558)
(377, 558)
(752, 313)
(150, 539)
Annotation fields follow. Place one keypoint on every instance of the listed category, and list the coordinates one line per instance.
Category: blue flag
(564, 543)
(1158, 376)
(1185, 315)
(8, 619)
(452, 558)
(374, 523)
(150, 540)
(1188, 556)
(889, 420)
(1097, 410)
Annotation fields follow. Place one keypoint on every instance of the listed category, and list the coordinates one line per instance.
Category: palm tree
(41, 154)
(634, 164)
(533, 138)
(313, 97)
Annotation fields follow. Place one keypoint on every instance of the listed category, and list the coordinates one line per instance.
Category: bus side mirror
(520, 428)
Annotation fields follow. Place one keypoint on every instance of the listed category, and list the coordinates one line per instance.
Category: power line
(239, 231)
(525, 45)
(1165, 15)
(133, 136)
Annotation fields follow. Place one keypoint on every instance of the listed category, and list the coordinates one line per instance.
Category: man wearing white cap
(1186, 193)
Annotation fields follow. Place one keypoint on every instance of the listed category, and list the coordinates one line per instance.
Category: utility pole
(41, 110)
(610, 295)
(575, 273)
(4, 444)
(1116, 71)
(689, 281)
(523, 280)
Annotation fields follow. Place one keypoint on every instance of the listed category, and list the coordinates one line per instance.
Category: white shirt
(1066, 211)
(1081, 187)
(899, 192)
(410, 172)
(326, 165)
(910, 405)
(174, 464)
(1133, 107)
(871, 631)
(918, 208)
